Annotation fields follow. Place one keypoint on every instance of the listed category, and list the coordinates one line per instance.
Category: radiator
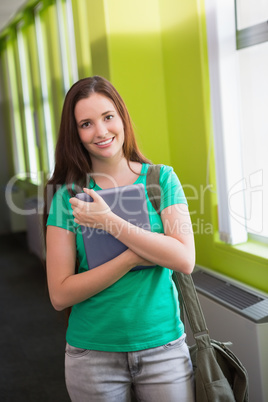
(236, 313)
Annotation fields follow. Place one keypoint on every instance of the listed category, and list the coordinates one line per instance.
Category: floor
(32, 333)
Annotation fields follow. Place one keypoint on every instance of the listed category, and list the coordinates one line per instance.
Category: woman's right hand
(142, 261)
(65, 287)
(138, 260)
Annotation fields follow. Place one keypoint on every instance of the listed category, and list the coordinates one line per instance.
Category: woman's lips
(104, 143)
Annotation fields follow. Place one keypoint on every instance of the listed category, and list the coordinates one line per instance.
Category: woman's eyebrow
(108, 111)
(83, 120)
(103, 114)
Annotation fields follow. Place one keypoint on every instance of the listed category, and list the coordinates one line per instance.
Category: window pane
(253, 67)
(16, 124)
(33, 156)
(35, 82)
(67, 42)
(251, 12)
(48, 115)
(50, 60)
(71, 40)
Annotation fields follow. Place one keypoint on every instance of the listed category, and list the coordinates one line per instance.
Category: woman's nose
(101, 129)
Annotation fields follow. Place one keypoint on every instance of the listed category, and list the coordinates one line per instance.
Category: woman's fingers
(89, 213)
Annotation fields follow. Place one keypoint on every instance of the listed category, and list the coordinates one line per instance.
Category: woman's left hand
(93, 214)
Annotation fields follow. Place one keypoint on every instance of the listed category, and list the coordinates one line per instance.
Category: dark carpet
(32, 333)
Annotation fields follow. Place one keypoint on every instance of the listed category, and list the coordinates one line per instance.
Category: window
(251, 22)
(252, 50)
(31, 140)
(50, 137)
(67, 42)
(238, 61)
(15, 116)
(39, 62)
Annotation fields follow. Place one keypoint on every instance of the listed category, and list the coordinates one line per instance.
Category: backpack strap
(154, 194)
(153, 187)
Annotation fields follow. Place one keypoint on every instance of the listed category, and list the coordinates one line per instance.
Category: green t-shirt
(141, 309)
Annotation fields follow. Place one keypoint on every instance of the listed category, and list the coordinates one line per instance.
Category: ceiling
(8, 8)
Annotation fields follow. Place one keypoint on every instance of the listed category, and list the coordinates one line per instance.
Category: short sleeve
(60, 213)
(171, 188)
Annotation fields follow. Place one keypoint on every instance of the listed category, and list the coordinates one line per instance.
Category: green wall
(158, 60)
(136, 69)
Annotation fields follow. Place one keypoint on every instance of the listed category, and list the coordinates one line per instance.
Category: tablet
(128, 202)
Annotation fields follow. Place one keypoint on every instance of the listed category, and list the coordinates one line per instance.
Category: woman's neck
(115, 173)
(109, 166)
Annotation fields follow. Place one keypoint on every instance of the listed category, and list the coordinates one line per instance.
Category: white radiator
(237, 313)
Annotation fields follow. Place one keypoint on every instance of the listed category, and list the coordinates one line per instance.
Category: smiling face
(100, 127)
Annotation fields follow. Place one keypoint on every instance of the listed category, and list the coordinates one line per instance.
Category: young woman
(124, 329)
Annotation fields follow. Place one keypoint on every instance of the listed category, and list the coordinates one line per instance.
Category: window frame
(225, 121)
(222, 34)
(252, 35)
(247, 37)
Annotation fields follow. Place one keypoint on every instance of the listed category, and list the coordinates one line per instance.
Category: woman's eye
(85, 125)
(109, 117)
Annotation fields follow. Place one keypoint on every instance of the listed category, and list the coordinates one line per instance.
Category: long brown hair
(72, 160)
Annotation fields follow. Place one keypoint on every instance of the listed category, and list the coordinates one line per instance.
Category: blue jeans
(161, 374)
